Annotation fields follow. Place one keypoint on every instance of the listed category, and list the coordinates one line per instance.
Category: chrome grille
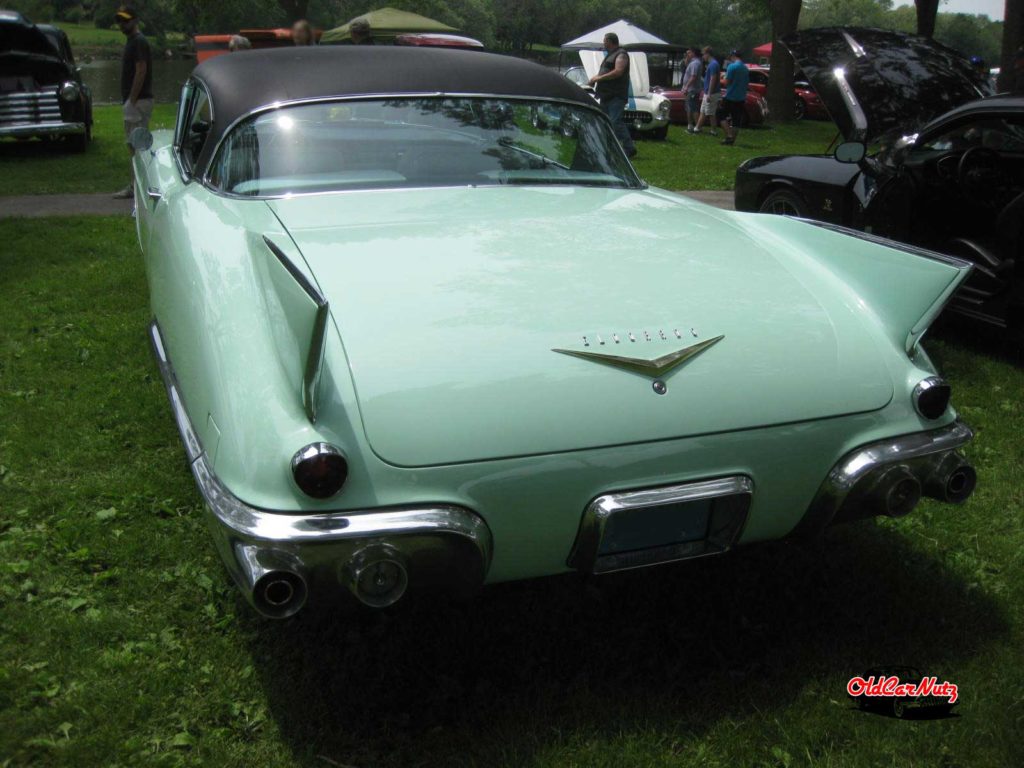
(29, 108)
(636, 116)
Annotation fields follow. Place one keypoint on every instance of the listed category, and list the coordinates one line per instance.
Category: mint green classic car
(414, 342)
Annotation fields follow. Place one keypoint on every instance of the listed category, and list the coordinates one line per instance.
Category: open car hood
(874, 81)
(20, 36)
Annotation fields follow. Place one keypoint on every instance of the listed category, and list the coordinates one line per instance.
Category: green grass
(37, 168)
(90, 36)
(122, 642)
(684, 161)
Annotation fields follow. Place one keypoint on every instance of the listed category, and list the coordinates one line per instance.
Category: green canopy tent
(385, 24)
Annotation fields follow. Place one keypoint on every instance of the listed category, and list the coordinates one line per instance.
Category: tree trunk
(927, 10)
(294, 9)
(1013, 39)
(785, 15)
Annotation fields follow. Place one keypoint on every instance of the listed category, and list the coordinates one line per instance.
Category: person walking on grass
(136, 82)
(712, 92)
(737, 78)
(691, 87)
(611, 83)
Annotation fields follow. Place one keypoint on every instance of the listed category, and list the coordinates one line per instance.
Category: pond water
(103, 76)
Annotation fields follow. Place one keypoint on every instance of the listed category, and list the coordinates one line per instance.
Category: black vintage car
(41, 92)
(946, 171)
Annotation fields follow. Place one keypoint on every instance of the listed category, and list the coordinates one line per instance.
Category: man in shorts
(737, 78)
(712, 92)
(136, 81)
(691, 88)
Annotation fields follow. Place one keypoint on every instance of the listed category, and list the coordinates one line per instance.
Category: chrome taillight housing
(931, 397)
(320, 470)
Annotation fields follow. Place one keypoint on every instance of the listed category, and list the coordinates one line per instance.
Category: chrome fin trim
(315, 354)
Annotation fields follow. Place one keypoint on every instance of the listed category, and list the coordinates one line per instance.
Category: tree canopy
(520, 24)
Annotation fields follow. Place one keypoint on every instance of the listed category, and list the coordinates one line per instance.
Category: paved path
(63, 205)
(105, 205)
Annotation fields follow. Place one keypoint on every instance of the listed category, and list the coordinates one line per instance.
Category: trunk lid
(896, 81)
(449, 303)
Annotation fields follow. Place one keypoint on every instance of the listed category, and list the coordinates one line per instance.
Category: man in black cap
(136, 79)
(611, 83)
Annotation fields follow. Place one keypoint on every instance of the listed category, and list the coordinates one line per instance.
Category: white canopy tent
(630, 35)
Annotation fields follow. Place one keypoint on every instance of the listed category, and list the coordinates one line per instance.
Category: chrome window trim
(585, 550)
(185, 118)
(952, 261)
(208, 183)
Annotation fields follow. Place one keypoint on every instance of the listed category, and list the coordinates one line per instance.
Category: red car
(757, 106)
(807, 104)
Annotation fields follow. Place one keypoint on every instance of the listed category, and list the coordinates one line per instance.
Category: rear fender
(903, 287)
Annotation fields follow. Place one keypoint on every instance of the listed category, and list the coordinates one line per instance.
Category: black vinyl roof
(242, 82)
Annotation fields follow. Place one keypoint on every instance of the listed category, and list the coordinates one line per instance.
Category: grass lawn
(684, 161)
(36, 168)
(90, 36)
(122, 642)
(680, 162)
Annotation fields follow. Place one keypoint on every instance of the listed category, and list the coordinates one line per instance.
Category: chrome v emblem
(656, 367)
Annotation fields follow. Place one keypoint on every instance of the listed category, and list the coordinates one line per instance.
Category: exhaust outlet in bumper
(952, 480)
(888, 478)
(896, 492)
(271, 581)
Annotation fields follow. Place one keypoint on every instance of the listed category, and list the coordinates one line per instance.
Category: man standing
(712, 92)
(737, 78)
(136, 80)
(359, 31)
(611, 83)
(691, 88)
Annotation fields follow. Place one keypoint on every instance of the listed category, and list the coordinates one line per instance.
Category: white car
(647, 112)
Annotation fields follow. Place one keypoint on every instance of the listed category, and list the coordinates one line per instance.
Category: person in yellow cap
(136, 79)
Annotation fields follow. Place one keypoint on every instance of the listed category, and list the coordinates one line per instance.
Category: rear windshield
(419, 142)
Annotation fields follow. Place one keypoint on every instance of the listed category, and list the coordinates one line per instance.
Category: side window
(991, 133)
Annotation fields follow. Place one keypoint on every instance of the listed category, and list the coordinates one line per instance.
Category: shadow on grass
(976, 336)
(31, 149)
(530, 666)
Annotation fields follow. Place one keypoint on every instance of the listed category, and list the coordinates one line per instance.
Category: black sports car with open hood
(41, 91)
(945, 170)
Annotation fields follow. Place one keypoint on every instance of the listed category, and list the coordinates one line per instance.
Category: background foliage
(520, 24)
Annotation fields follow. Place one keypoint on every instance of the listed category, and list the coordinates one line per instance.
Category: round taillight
(931, 397)
(69, 91)
(320, 470)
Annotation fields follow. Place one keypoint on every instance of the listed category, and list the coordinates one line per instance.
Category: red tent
(762, 51)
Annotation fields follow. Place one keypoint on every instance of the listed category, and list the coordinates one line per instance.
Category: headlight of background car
(69, 91)
(664, 108)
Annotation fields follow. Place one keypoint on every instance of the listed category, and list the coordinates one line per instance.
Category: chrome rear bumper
(29, 130)
(889, 477)
(276, 558)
